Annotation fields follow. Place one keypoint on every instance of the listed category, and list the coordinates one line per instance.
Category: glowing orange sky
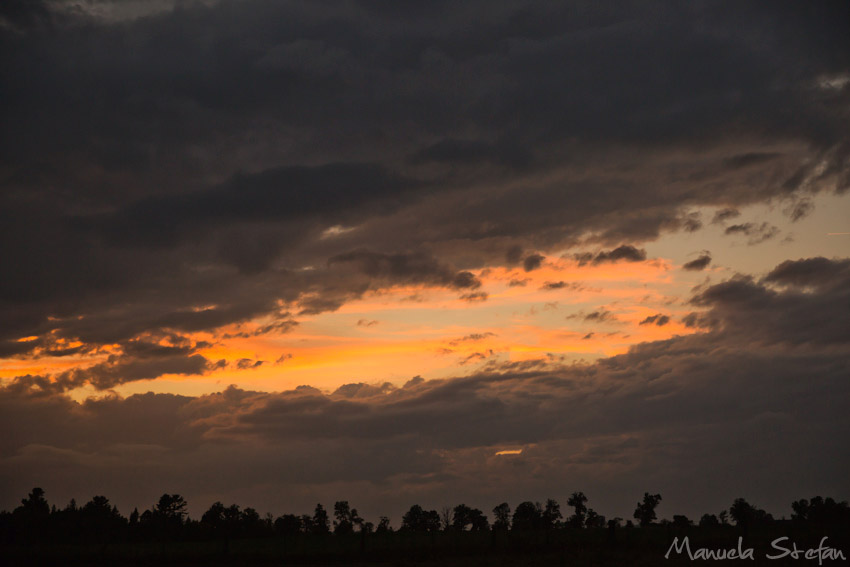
(395, 334)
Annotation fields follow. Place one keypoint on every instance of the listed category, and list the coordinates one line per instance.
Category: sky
(280, 253)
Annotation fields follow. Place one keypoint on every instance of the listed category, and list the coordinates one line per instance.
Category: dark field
(602, 547)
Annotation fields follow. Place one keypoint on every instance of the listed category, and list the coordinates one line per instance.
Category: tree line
(35, 520)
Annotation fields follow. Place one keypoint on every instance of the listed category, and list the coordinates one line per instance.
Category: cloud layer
(180, 175)
(198, 154)
(726, 405)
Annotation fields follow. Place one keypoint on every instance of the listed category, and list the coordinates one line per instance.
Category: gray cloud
(820, 273)
(659, 320)
(625, 252)
(413, 267)
(724, 215)
(532, 262)
(699, 263)
(756, 233)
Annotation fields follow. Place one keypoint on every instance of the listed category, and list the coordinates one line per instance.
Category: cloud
(699, 263)
(599, 316)
(532, 262)
(757, 233)
(459, 146)
(288, 193)
(819, 273)
(464, 152)
(407, 268)
(625, 252)
(473, 337)
(249, 363)
(692, 222)
(723, 215)
(799, 209)
(756, 312)
(746, 160)
(282, 358)
(659, 319)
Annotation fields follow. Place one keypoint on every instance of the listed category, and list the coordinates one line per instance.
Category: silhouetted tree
(307, 523)
(172, 507)
(383, 525)
(709, 521)
(680, 521)
(464, 516)
(578, 501)
(746, 515)
(446, 517)
(345, 518)
(321, 524)
(645, 511)
(551, 517)
(479, 521)
(527, 516)
(251, 522)
(502, 517)
(214, 517)
(287, 525)
(166, 517)
(460, 517)
(821, 512)
(35, 505)
(594, 520)
(801, 510)
(100, 520)
(32, 516)
(418, 520)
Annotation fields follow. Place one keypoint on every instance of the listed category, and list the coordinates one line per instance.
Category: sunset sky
(280, 253)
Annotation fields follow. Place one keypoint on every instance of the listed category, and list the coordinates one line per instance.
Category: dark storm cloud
(473, 151)
(699, 263)
(200, 155)
(756, 312)
(120, 370)
(748, 159)
(686, 405)
(332, 191)
(411, 267)
(818, 273)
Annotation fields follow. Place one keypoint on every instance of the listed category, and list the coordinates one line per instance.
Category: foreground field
(599, 547)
